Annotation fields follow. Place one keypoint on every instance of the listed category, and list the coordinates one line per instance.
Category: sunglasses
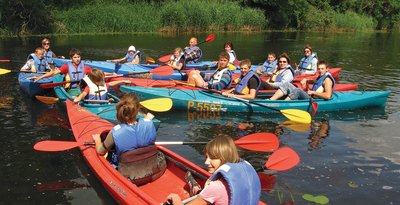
(282, 61)
(45, 43)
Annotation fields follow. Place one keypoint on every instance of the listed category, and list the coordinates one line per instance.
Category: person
(130, 134)
(220, 79)
(96, 89)
(36, 62)
(177, 60)
(192, 52)
(308, 64)
(74, 71)
(132, 57)
(268, 66)
(322, 88)
(248, 85)
(232, 181)
(283, 73)
(228, 47)
(49, 54)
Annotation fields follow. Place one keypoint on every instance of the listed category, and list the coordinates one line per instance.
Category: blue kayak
(29, 86)
(106, 111)
(204, 100)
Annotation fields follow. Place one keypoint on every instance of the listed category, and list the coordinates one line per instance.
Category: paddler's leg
(195, 78)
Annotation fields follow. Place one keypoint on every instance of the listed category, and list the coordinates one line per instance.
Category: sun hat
(132, 48)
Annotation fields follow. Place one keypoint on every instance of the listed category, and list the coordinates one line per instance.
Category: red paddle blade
(314, 106)
(262, 142)
(5, 61)
(267, 181)
(283, 159)
(165, 59)
(210, 38)
(164, 70)
(54, 146)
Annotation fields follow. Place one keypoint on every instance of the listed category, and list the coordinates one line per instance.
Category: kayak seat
(142, 165)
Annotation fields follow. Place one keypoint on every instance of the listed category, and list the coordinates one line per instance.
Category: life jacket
(76, 74)
(304, 62)
(217, 76)
(142, 165)
(242, 88)
(196, 58)
(243, 181)
(48, 55)
(278, 77)
(269, 67)
(40, 64)
(233, 58)
(318, 85)
(130, 58)
(129, 137)
(95, 92)
(175, 61)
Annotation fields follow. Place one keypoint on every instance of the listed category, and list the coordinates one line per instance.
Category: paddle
(4, 71)
(282, 159)
(262, 142)
(150, 60)
(5, 61)
(166, 58)
(296, 126)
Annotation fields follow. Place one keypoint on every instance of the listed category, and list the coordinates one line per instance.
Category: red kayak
(84, 124)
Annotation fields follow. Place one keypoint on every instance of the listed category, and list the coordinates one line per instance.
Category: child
(96, 89)
(132, 57)
(36, 62)
(177, 60)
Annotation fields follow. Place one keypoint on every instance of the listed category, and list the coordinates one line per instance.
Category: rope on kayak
(173, 90)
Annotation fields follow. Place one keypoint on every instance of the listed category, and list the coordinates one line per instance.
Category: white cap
(132, 48)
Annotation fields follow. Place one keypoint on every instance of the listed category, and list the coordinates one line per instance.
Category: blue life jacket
(218, 74)
(321, 79)
(197, 58)
(244, 80)
(128, 137)
(280, 76)
(304, 62)
(76, 74)
(48, 55)
(95, 92)
(40, 64)
(130, 58)
(269, 67)
(243, 181)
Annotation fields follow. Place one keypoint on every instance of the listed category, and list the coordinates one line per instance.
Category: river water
(351, 157)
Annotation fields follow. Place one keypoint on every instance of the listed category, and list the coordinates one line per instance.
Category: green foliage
(351, 21)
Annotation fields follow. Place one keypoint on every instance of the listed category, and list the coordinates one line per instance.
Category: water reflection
(319, 131)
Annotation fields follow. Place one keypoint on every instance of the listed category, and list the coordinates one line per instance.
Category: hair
(179, 49)
(323, 62)
(222, 147)
(272, 54)
(96, 76)
(127, 108)
(307, 46)
(45, 39)
(224, 54)
(73, 52)
(228, 43)
(245, 62)
(284, 55)
(39, 49)
(194, 38)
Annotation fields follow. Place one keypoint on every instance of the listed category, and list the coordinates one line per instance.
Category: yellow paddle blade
(4, 71)
(150, 60)
(296, 126)
(46, 100)
(297, 115)
(157, 104)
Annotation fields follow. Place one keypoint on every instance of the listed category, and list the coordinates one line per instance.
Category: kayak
(183, 85)
(119, 187)
(209, 100)
(104, 110)
(29, 86)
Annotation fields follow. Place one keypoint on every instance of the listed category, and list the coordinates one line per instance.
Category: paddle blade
(297, 115)
(283, 159)
(262, 142)
(47, 100)
(210, 38)
(4, 71)
(314, 106)
(54, 146)
(5, 61)
(165, 59)
(296, 126)
(162, 70)
(150, 60)
(158, 104)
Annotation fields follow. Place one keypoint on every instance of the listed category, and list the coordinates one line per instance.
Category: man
(248, 85)
(323, 86)
(192, 52)
(220, 79)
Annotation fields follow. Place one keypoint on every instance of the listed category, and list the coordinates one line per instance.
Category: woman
(177, 61)
(233, 180)
(308, 64)
(48, 53)
(282, 74)
(228, 47)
